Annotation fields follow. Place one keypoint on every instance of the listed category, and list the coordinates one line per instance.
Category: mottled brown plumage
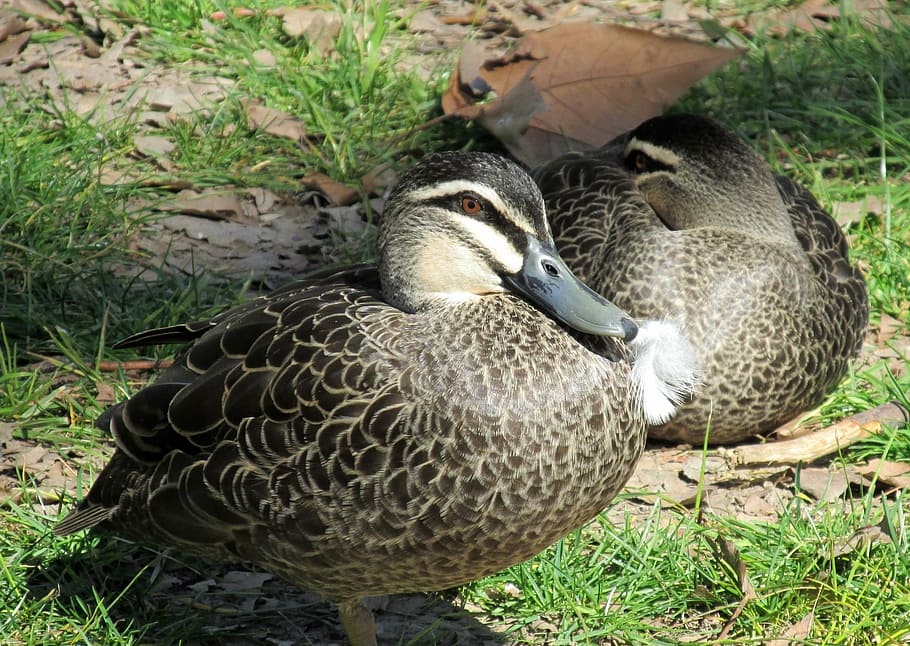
(680, 218)
(374, 431)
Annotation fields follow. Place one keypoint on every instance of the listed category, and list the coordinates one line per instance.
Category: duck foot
(812, 446)
(358, 623)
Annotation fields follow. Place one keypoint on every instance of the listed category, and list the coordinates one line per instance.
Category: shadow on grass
(108, 586)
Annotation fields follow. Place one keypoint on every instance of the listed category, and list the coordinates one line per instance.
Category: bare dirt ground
(274, 237)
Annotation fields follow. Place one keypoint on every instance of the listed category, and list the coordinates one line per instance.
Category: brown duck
(405, 427)
(681, 219)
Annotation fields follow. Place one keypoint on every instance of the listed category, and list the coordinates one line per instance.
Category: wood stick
(812, 446)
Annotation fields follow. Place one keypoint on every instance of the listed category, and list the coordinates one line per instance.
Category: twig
(52, 362)
(138, 364)
(807, 448)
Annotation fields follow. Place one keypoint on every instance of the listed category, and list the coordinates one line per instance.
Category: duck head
(462, 226)
(696, 173)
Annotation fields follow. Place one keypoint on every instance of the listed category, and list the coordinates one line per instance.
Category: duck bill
(546, 281)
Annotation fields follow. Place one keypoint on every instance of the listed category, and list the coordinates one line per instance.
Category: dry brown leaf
(822, 483)
(238, 12)
(264, 57)
(188, 97)
(264, 199)
(659, 476)
(28, 456)
(338, 194)
(168, 183)
(862, 539)
(673, 10)
(237, 580)
(10, 48)
(10, 24)
(153, 145)
(796, 633)
(40, 10)
(814, 15)
(423, 21)
(847, 213)
(888, 328)
(379, 179)
(275, 122)
(577, 85)
(808, 16)
(319, 27)
(106, 394)
(6, 433)
(893, 474)
(214, 204)
(729, 553)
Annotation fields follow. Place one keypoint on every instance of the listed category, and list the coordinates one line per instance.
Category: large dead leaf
(577, 85)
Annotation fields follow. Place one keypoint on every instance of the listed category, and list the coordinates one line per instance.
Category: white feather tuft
(664, 372)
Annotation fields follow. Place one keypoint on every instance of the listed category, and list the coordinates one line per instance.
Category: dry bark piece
(577, 85)
(807, 448)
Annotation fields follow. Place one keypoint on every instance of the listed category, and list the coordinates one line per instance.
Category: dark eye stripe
(637, 161)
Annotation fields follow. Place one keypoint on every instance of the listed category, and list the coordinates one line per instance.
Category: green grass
(663, 579)
(359, 104)
(830, 109)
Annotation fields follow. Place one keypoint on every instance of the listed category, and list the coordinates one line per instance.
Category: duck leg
(358, 622)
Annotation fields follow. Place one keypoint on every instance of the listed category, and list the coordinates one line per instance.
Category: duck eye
(471, 205)
(637, 161)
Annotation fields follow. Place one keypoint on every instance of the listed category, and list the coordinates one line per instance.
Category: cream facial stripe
(484, 235)
(498, 245)
(664, 156)
(480, 190)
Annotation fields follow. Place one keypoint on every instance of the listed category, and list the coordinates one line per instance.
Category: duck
(404, 426)
(680, 218)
